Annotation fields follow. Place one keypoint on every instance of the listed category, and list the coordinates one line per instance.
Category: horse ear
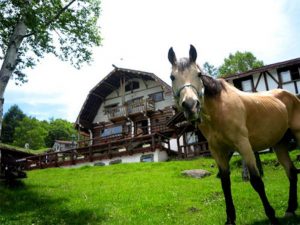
(172, 56)
(193, 54)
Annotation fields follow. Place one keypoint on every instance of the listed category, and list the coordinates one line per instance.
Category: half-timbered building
(285, 75)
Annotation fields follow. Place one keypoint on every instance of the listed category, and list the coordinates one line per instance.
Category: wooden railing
(117, 148)
(142, 105)
(194, 149)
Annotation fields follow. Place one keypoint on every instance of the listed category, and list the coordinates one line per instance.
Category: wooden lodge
(126, 118)
(129, 116)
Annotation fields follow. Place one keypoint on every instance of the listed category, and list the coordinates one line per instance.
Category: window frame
(156, 93)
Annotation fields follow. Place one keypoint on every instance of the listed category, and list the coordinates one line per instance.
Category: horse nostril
(188, 105)
(184, 105)
(198, 105)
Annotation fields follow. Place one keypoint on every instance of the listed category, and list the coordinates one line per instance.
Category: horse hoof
(289, 214)
(275, 222)
(229, 223)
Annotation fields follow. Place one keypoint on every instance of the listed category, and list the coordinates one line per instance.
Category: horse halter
(199, 93)
(177, 93)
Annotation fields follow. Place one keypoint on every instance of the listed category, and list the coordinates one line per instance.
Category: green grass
(142, 193)
(39, 151)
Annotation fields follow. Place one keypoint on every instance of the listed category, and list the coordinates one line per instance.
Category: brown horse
(234, 120)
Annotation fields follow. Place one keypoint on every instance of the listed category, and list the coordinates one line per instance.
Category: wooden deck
(107, 150)
(130, 110)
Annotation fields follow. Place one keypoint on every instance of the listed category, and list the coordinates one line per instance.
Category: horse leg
(281, 151)
(255, 179)
(222, 160)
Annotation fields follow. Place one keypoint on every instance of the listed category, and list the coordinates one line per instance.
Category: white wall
(159, 156)
(143, 91)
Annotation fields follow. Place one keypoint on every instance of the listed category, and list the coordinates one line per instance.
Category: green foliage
(210, 69)
(67, 29)
(19, 129)
(142, 193)
(238, 63)
(30, 131)
(59, 129)
(10, 121)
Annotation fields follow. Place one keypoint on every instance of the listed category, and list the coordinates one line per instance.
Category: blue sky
(137, 35)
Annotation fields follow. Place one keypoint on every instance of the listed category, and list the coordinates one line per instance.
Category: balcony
(135, 108)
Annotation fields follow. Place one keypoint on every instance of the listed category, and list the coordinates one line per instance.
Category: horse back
(262, 117)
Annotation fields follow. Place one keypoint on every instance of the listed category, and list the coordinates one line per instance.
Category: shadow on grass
(21, 205)
(295, 220)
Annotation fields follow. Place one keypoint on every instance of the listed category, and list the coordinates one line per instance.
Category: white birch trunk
(9, 62)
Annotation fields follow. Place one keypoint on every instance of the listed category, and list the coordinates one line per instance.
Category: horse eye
(199, 74)
(172, 77)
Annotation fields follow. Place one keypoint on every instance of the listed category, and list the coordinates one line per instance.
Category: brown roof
(265, 68)
(105, 87)
(16, 153)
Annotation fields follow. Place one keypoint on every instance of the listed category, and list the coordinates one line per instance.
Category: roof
(63, 142)
(105, 87)
(16, 153)
(278, 65)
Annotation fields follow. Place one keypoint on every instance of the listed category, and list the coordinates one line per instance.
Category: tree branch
(54, 18)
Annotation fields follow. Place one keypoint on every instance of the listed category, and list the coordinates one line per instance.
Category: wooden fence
(107, 150)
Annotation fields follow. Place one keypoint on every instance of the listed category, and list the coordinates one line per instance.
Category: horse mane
(212, 87)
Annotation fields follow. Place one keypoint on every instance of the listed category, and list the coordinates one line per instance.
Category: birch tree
(29, 29)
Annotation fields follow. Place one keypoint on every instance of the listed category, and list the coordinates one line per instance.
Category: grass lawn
(142, 193)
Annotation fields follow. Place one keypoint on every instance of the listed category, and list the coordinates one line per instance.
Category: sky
(137, 34)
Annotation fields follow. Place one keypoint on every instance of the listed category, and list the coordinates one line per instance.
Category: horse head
(187, 84)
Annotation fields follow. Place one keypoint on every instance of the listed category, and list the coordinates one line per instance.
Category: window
(285, 76)
(132, 85)
(147, 158)
(109, 108)
(157, 97)
(112, 131)
(191, 138)
(247, 85)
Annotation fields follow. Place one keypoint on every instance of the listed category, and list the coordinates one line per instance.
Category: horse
(231, 119)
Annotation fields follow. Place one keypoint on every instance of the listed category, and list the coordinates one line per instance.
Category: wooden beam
(279, 79)
(98, 96)
(256, 85)
(266, 81)
(113, 88)
(273, 78)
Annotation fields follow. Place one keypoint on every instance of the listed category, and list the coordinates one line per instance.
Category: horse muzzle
(191, 109)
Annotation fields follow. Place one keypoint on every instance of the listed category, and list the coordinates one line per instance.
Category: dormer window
(132, 85)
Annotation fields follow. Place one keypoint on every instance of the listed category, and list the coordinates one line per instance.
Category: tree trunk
(10, 61)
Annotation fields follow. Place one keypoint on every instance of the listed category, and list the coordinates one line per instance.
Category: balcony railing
(140, 106)
(91, 153)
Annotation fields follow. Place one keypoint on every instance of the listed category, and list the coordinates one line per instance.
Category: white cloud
(137, 35)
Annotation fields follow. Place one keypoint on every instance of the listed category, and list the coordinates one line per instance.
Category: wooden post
(40, 162)
(90, 154)
(160, 143)
(56, 159)
(72, 157)
(179, 148)
(184, 145)
(109, 150)
(153, 143)
(122, 89)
